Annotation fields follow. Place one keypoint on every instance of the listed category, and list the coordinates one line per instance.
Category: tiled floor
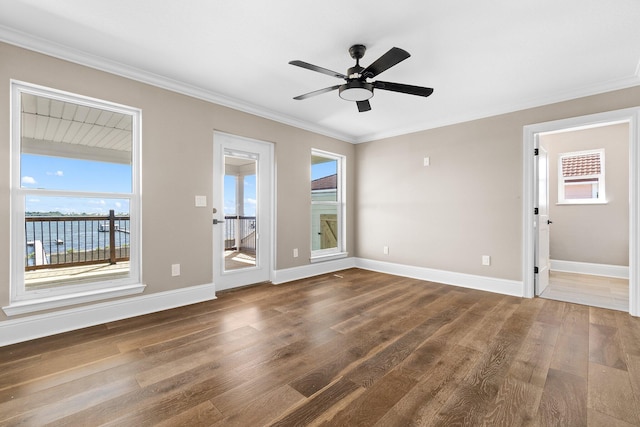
(596, 291)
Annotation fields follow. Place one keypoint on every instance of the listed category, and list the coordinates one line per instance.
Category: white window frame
(23, 301)
(340, 250)
(601, 199)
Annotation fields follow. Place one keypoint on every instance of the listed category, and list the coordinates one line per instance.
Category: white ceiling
(481, 57)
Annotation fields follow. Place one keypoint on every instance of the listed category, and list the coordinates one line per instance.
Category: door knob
(217, 221)
(549, 222)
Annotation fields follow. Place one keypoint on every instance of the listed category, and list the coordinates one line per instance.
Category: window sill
(40, 304)
(328, 257)
(583, 202)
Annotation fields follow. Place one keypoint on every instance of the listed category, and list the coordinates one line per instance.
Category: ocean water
(77, 236)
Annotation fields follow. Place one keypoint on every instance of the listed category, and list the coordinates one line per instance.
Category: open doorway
(584, 220)
(531, 223)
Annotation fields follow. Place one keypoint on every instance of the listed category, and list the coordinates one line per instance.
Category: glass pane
(240, 204)
(69, 240)
(324, 179)
(324, 226)
(68, 146)
(583, 191)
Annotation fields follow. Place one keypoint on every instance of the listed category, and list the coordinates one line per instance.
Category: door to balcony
(242, 206)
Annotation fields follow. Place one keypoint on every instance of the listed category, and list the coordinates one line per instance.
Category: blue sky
(58, 173)
(320, 170)
(249, 195)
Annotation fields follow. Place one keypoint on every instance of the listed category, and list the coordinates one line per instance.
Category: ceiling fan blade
(317, 92)
(399, 87)
(318, 69)
(363, 106)
(394, 56)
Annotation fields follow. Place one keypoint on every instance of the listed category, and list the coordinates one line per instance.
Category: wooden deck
(355, 348)
(51, 277)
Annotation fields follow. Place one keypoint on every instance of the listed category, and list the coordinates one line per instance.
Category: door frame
(220, 137)
(530, 137)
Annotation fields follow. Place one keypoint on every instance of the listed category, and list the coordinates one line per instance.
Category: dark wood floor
(354, 348)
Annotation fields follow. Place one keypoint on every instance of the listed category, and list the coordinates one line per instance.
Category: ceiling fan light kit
(357, 88)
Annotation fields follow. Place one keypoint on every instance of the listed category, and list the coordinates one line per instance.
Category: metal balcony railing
(240, 233)
(63, 241)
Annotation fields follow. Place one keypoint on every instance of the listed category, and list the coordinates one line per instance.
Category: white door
(542, 245)
(242, 211)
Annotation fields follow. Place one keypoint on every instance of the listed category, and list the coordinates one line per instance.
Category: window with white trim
(75, 195)
(581, 177)
(327, 205)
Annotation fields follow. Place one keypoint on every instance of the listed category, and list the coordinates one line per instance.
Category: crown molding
(582, 92)
(47, 47)
(60, 51)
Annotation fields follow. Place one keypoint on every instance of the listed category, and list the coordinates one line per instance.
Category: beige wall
(468, 203)
(592, 233)
(177, 150)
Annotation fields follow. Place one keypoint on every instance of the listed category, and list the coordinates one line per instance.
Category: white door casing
(225, 144)
(529, 175)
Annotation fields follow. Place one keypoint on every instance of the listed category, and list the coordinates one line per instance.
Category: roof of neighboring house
(581, 165)
(325, 183)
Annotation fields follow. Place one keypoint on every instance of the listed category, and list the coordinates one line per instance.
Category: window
(75, 215)
(327, 206)
(581, 177)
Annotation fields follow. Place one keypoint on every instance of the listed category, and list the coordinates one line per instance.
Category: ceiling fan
(357, 88)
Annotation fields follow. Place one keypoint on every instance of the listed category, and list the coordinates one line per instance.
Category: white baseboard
(316, 269)
(606, 270)
(482, 283)
(41, 325)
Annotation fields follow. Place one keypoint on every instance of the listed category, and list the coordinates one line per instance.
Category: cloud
(56, 173)
(97, 202)
(28, 180)
(118, 204)
(33, 200)
(250, 201)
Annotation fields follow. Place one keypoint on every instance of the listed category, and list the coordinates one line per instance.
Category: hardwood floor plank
(442, 376)
(318, 404)
(200, 415)
(263, 409)
(563, 401)
(610, 393)
(351, 348)
(604, 347)
(572, 347)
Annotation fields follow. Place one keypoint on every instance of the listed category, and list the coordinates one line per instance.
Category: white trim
(481, 283)
(64, 300)
(55, 297)
(37, 44)
(530, 134)
(297, 273)
(606, 270)
(328, 257)
(27, 328)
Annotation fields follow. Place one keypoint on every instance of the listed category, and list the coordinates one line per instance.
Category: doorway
(584, 215)
(531, 223)
(242, 213)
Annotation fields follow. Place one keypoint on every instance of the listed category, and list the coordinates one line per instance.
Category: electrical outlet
(486, 260)
(295, 252)
(385, 250)
(427, 161)
(175, 269)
